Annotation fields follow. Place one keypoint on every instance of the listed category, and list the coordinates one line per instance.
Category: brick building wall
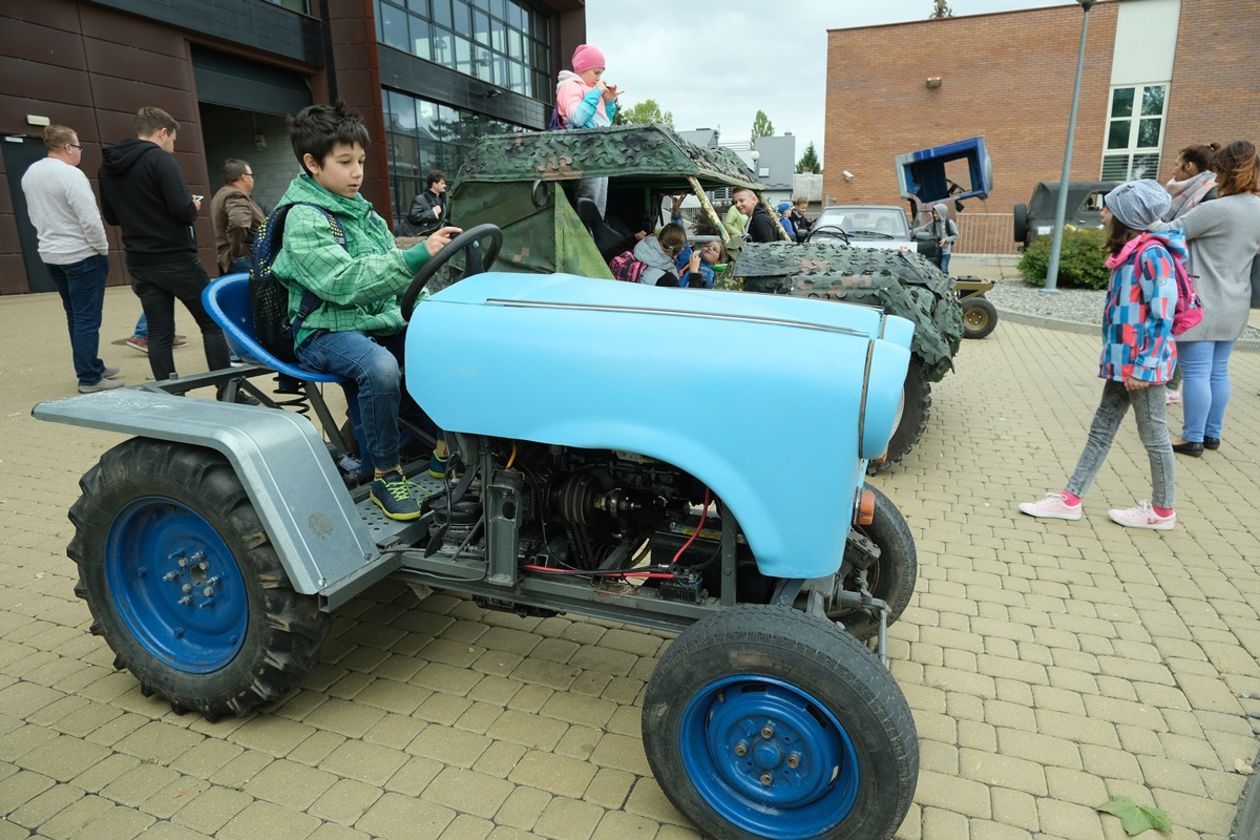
(1005, 76)
(1215, 92)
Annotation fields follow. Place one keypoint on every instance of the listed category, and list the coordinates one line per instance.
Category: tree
(761, 127)
(642, 113)
(940, 9)
(809, 162)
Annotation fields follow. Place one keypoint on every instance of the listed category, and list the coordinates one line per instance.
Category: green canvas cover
(900, 282)
(644, 153)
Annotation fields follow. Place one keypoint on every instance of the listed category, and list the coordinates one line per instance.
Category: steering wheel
(470, 241)
(830, 230)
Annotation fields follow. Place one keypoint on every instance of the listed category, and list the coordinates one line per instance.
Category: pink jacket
(580, 105)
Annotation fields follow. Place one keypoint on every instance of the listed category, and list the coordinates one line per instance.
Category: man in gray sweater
(73, 246)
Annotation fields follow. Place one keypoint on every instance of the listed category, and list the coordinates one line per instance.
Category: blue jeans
(1148, 410)
(371, 366)
(944, 263)
(1204, 387)
(82, 289)
(142, 326)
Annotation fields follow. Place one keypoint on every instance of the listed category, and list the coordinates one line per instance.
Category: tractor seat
(227, 301)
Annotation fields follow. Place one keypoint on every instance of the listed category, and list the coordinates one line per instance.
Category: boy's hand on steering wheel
(440, 238)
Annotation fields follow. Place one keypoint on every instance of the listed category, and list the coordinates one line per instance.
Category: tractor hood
(774, 402)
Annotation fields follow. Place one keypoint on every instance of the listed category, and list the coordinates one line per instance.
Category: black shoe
(1211, 443)
(392, 494)
(1194, 450)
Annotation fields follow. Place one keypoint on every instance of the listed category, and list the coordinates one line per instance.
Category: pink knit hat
(586, 58)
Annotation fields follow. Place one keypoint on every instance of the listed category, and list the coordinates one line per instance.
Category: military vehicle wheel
(912, 417)
(762, 722)
(1021, 222)
(892, 577)
(184, 584)
(979, 317)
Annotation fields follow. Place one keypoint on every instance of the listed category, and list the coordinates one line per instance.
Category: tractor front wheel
(763, 722)
(184, 584)
(892, 577)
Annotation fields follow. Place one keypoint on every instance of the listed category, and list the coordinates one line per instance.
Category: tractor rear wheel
(184, 584)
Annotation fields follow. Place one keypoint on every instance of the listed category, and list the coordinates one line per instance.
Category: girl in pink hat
(583, 98)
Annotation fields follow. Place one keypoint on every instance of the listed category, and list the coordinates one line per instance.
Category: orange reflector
(881, 459)
(866, 508)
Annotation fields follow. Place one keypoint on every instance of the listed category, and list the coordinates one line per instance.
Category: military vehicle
(527, 184)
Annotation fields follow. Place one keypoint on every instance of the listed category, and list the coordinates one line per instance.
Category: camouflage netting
(899, 282)
(640, 152)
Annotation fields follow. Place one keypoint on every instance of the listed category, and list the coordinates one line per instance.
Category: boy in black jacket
(428, 208)
(144, 191)
(761, 228)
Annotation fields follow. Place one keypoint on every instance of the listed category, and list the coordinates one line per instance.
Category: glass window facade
(1135, 129)
(421, 135)
(302, 6)
(503, 42)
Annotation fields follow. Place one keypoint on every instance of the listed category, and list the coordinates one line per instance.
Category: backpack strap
(310, 300)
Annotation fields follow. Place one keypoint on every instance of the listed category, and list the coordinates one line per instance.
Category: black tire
(220, 652)
(754, 657)
(893, 577)
(980, 317)
(916, 407)
(1021, 223)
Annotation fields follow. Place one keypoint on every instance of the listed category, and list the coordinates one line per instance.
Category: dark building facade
(428, 76)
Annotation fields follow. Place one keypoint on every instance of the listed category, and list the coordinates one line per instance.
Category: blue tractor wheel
(763, 722)
(183, 583)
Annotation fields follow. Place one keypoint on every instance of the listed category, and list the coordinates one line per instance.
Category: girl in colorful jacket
(1138, 355)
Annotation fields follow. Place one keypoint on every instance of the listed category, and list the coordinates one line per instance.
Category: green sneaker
(392, 494)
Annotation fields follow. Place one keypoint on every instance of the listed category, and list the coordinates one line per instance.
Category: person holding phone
(143, 191)
(584, 99)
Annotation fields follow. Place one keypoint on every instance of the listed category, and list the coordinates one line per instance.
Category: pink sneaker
(1172, 397)
(1051, 507)
(1143, 516)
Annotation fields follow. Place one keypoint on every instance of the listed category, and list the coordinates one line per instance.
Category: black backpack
(269, 297)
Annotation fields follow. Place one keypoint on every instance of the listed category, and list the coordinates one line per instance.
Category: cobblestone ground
(1049, 666)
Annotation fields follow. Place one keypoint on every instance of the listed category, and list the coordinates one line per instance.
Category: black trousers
(158, 286)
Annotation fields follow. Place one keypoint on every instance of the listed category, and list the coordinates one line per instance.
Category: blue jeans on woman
(82, 289)
(1204, 387)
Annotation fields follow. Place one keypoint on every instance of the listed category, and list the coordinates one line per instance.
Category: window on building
(421, 135)
(503, 42)
(302, 6)
(1135, 132)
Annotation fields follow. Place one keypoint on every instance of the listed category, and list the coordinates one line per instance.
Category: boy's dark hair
(151, 119)
(233, 169)
(434, 176)
(317, 128)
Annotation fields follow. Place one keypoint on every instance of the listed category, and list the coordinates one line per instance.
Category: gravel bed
(1081, 306)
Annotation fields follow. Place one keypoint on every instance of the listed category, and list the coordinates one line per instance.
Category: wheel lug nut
(767, 732)
(794, 760)
(183, 561)
(208, 591)
(741, 749)
(185, 601)
(187, 587)
(767, 779)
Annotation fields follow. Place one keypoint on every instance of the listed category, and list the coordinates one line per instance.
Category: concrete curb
(1247, 823)
(1243, 345)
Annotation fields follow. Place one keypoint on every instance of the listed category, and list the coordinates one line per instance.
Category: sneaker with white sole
(1143, 516)
(1172, 397)
(1052, 507)
(109, 372)
(103, 385)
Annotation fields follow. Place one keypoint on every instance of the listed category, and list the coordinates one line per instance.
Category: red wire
(602, 573)
(704, 514)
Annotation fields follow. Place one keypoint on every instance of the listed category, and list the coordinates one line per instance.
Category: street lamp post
(1060, 211)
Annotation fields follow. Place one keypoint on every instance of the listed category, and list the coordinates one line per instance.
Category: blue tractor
(597, 467)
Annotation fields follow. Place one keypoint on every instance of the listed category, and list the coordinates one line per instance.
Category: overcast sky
(679, 52)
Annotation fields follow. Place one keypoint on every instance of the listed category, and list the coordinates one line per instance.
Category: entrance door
(19, 153)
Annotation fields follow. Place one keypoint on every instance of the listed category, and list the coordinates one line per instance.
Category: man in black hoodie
(143, 191)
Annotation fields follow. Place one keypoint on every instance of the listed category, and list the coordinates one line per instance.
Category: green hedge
(1081, 262)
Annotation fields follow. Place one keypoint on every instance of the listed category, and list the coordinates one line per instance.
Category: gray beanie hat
(1138, 204)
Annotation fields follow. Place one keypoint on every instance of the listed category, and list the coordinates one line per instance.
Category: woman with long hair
(1224, 237)
(1138, 356)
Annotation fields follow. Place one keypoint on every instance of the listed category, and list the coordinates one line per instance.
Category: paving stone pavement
(1049, 665)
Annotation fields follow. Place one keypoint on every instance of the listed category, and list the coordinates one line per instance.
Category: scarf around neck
(1187, 194)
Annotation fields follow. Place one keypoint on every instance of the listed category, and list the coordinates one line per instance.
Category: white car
(880, 227)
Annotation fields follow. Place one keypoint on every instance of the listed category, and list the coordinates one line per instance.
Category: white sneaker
(1051, 507)
(1143, 516)
(1172, 397)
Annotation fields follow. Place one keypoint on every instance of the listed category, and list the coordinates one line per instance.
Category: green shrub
(1082, 261)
